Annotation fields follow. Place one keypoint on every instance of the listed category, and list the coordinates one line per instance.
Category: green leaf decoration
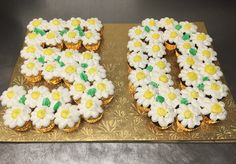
(201, 86)
(91, 92)
(63, 32)
(178, 27)
(84, 65)
(149, 68)
(81, 33)
(205, 78)
(184, 101)
(56, 106)
(79, 29)
(154, 84)
(61, 64)
(46, 102)
(160, 99)
(41, 59)
(193, 51)
(147, 29)
(39, 31)
(58, 58)
(22, 99)
(83, 76)
(186, 37)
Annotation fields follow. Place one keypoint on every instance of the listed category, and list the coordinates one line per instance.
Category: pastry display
(198, 95)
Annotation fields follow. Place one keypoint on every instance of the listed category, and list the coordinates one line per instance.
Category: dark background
(219, 17)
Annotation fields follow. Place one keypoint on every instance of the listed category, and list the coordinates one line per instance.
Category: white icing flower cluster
(202, 90)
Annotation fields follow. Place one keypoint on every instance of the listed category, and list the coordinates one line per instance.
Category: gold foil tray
(121, 122)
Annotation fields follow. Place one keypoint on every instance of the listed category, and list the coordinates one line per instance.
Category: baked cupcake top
(214, 109)
(49, 54)
(69, 55)
(95, 72)
(167, 23)
(155, 50)
(145, 95)
(136, 45)
(31, 67)
(206, 54)
(184, 46)
(159, 65)
(216, 89)
(171, 36)
(161, 78)
(70, 71)
(136, 32)
(89, 57)
(56, 24)
(31, 52)
(93, 24)
(151, 23)
(139, 77)
(154, 36)
(75, 22)
(189, 116)
(42, 117)
(210, 70)
(12, 96)
(90, 107)
(190, 77)
(35, 96)
(72, 36)
(67, 116)
(104, 88)
(91, 37)
(33, 39)
(78, 88)
(51, 70)
(171, 96)
(16, 116)
(162, 114)
(137, 60)
(60, 94)
(186, 27)
(37, 23)
(201, 39)
(187, 61)
(52, 38)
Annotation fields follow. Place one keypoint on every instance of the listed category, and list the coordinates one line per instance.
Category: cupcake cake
(91, 40)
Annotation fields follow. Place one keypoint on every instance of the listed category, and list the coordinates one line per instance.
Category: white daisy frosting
(35, 96)
(139, 77)
(137, 60)
(216, 89)
(160, 65)
(56, 24)
(154, 36)
(136, 32)
(151, 23)
(16, 116)
(187, 61)
(171, 95)
(201, 39)
(75, 22)
(184, 46)
(33, 39)
(136, 45)
(214, 109)
(167, 23)
(95, 72)
(41, 117)
(190, 77)
(171, 36)
(189, 116)
(89, 57)
(37, 23)
(72, 36)
(31, 67)
(50, 53)
(78, 88)
(90, 107)
(155, 50)
(67, 115)
(104, 88)
(162, 114)
(93, 24)
(145, 95)
(206, 54)
(210, 70)
(11, 96)
(161, 78)
(60, 94)
(70, 71)
(193, 95)
(51, 70)
(91, 37)
(52, 38)
(31, 52)
(188, 27)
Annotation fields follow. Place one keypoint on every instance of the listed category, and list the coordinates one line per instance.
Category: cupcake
(137, 60)
(38, 23)
(43, 119)
(91, 40)
(17, 118)
(104, 90)
(35, 96)
(171, 37)
(48, 54)
(72, 40)
(51, 72)
(136, 45)
(162, 115)
(53, 39)
(150, 24)
(201, 39)
(206, 54)
(155, 50)
(56, 24)
(210, 70)
(162, 79)
(74, 23)
(154, 37)
(94, 24)
(33, 39)
(89, 57)
(167, 23)
(159, 65)
(70, 56)
(12, 96)
(190, 77)
(31, 52)
(215, 89)
(136, 32)
(171, 96)
(188, 61)
(187, 27)
(59, 94)
(32, 69)
(189, 117)
(67, 118)
(90, 108)
(183, 47)
(95, 72)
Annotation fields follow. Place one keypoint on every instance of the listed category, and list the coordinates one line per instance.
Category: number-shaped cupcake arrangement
(61, 53)
(199, 95)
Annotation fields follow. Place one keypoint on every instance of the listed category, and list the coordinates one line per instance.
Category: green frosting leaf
(149, 68)
(178, 27)
(147, 29)
(205, 78)
(63, 32)
(41, 59)
(184, 101)
(56, 106)
(81, 33)
(79, 29)
(58, 58)
(39, 31)
(84, 65)
(193, 51)
(154, 84)
(160, 99)
(201, 86)
(46, 102)
(22, 99)
(91, 92)
(185, 36)
(83, 76)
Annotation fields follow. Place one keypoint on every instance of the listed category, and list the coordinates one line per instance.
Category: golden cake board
(121, 122)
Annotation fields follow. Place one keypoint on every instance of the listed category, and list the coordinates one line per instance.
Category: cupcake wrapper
(54, 81)
(77, 101)
(69, 130)
(92, 47)
(129, 69)
(46, 129)
(170, 47)
(67, 83)
(74, 46)
(93, 120)
(107, 100)
(180, 126)
(34, 79)
(131, 89)
(207, 120)
(141, 109)
(177, 54)
(27, 126)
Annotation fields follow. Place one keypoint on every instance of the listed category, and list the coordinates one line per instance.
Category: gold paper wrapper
(120, 121)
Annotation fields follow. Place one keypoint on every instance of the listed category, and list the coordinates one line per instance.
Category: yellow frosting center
(50, 68)
(171, 96)
(16, 113)
(56, 95)
(56, 22)
(11, 94)
(92, 21)
(163, 78)
(168, 21)
(187, 26)
(206, 53)
(35, 95)
(216, 108)
(92, 70)
(36, 22)
(137, 44)
(148, 94)
(89, 104)
(215, 87)
(68, 54)
(30, 65)
(41, 113)
(137, 58)
(194, 94)
(88, 35)
(155, 48)
(190, 60)
(51, 35)
(71, 34)
(161, 111)
(152, 23)
(30, 49)
(188, 114)
(192, 76)
(210, 69)
(32, 36)
(187, 45)
(173, 34)
(87, 56)
(79, 87)
(65, 113)
(138, 31)
(155, 36)
(70, 69)
(75, 22)
(161, 64)
(48, 52)
(101, 86)
(140, 75)
(201, 37)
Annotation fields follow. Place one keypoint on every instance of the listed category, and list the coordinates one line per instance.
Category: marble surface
(217, 15)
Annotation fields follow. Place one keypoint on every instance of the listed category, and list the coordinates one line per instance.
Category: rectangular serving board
(121, 122)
